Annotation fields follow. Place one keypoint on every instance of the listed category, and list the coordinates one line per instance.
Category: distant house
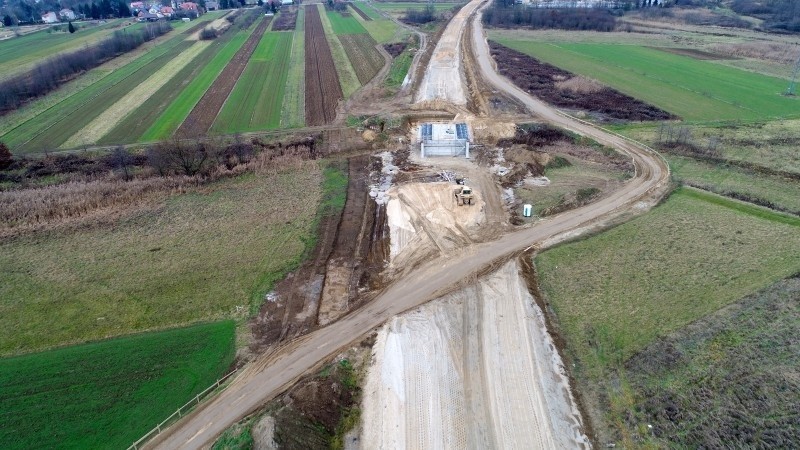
(286, 2)
(145, 16)
(67, 14)
(167, 11)
(211, 5)
(189, 6)
(49, 17)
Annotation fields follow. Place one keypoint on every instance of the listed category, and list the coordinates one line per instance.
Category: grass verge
(108, 394)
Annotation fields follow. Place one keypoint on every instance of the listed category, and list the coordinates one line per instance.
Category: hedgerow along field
(615, 293)
(108, 394)
(192, 257)
(257, 98)
(693, 89)
(53, 126)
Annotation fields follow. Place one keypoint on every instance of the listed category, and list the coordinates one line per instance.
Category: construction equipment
(464, 195)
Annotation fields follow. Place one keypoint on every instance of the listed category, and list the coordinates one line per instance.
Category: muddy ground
(347, 260)
(540, 79)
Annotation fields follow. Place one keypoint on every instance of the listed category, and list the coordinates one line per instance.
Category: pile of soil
(395, 49)
(539, 79)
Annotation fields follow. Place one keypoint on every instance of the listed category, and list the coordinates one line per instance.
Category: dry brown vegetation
(770, 51)
(97, 190)
(580, 85)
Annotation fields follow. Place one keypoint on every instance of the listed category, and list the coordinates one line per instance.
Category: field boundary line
(179, 412)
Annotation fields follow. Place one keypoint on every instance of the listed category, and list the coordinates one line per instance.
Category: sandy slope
(474, 369)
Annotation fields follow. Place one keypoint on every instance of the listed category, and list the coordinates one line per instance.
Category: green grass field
(347, 75)
(174, 115)
(780, 191)
(18, 53)
(371, 12)
(256, 100)
(616, 292)
(54, 126)
(293, 112)
(693, 89)
(106, 395)
(380, 28)
(195, 256)
(399, 70)
(344, 25)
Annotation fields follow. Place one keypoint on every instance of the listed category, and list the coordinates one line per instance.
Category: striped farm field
(177, 111)
(54, 126)
(695, 90)
(130, 103)
(205, 112)
(256, 100)
(344, 69)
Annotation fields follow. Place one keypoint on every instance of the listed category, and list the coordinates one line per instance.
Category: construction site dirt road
(273, 373)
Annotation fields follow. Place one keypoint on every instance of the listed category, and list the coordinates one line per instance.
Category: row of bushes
(54, 71)
(500, 14)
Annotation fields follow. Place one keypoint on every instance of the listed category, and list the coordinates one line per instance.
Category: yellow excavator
(464, 195)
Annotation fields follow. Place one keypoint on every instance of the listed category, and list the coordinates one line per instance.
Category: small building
(189, 6)
(287, 2)
(137, 6)
(49, 17)
(167, 11)
(145, 16)
(444, 139)
(67, 14)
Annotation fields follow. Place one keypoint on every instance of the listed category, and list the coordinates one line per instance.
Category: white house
(49, 17)
(67, 14)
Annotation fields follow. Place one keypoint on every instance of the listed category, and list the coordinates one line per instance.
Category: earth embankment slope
(473, 369)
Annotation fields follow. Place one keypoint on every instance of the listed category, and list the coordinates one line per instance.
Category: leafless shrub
(580, 85)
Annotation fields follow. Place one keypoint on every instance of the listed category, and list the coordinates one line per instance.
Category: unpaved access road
(273, 373)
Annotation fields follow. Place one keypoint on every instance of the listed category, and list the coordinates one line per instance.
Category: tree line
(54, 71)
(505, 13)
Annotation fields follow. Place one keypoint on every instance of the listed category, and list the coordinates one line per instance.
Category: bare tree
(122, 160)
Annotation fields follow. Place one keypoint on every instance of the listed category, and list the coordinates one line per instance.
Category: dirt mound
(540, 79)
(395, 49)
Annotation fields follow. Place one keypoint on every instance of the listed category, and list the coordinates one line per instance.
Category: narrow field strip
(174, 115)
(293, 111)
(52, 127)
(125, 106)
(199, 121)
(347, 75)
(342, 24)
(254, 103)
(365, 58)
(323, 89)
(367, 9)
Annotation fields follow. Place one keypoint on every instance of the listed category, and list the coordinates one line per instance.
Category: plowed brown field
(323, 90)
(202, 116)
(365, 58)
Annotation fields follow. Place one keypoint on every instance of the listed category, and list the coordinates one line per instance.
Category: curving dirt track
(275, 372)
